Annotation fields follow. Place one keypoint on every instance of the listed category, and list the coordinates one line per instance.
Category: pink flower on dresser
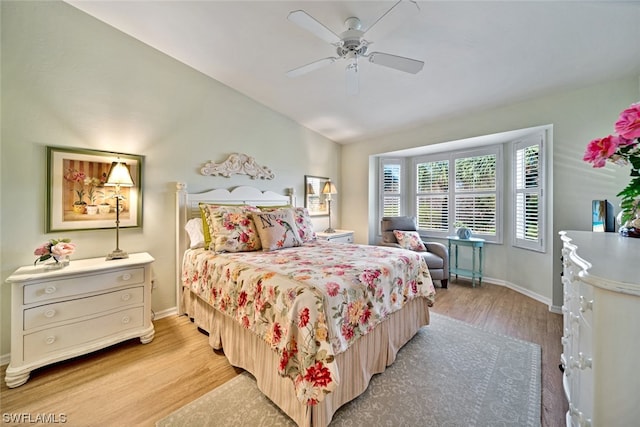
(628, 124)
(42, 250)
(63, 249)
(599, 150)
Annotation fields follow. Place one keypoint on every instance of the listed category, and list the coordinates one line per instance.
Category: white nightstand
(342, 236)
(86, 306)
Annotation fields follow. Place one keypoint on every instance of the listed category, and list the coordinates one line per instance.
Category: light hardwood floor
(135, 385)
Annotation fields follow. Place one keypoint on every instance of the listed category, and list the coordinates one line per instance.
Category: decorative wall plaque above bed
(238, 164)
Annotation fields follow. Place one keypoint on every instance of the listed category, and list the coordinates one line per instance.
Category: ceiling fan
(350, 46)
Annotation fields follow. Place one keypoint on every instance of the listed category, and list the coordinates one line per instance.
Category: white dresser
(342, 236)
(601, 340)
(86, 306)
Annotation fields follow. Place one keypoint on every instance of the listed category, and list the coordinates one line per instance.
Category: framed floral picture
(77, 197)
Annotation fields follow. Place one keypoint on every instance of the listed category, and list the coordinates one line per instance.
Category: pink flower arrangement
(54, 248)
(622, 149)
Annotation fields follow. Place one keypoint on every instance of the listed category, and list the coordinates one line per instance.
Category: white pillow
(196, 233)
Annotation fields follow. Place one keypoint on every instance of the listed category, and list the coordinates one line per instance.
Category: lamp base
(117, 254)
(330, 230)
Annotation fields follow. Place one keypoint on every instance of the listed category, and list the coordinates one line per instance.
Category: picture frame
(314, 200)
(77, 198)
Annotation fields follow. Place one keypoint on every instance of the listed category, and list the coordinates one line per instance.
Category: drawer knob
(50, 289)
(125, 297)
(126, 276)
(125, 320)
(50, 339)
(581, 362)
(50, 313)
(585, 304)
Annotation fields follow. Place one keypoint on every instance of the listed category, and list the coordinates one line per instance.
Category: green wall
(70, 80)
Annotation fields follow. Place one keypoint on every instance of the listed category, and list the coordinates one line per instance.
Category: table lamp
(118, 176)
(329, 189)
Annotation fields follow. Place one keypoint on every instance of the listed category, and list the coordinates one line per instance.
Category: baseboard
(5, 359)
(523, 291)
(165, 313)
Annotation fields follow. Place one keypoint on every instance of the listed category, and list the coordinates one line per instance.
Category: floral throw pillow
(410, 240)
(237, 233)
(230, 228)
(302, 219)
(277, 229)
(303, 222)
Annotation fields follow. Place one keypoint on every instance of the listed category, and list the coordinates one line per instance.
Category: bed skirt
(369, 355)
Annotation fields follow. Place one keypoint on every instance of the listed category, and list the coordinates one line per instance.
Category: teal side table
(476, 246)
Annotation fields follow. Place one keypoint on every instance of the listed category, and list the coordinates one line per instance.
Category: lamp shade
(329, 188)
(310, 189)
(119, 175)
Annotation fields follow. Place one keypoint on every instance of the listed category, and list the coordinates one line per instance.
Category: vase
(52, 264)
(79, 208)
(464, 233)
(92, 209)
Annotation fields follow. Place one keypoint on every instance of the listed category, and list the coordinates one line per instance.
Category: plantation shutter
(391, 188)
(528, 187)
(432, 195)
(476, 193)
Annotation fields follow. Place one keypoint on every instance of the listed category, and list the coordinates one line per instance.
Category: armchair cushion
(409, 240)
(390, 223)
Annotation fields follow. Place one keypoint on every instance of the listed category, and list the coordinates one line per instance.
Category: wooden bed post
(181, 246)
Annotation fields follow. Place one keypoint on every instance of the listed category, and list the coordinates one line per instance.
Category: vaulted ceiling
(476, 54)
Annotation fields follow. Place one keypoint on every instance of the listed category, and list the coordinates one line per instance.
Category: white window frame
(414, 179)
(538, 244)
(496, 150)
(403, 184)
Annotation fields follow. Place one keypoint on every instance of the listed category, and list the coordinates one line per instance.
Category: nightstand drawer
(348, 238)
(65, 337)
(340, 236)
(80, 285)
(51, 313)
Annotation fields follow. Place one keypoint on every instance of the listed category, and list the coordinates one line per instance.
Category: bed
(311, 320)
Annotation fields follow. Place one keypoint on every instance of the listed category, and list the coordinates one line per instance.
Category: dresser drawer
(57, 312)
(79, 285)
(63, 338)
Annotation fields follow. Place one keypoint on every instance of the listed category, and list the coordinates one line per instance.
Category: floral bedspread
(309, 303)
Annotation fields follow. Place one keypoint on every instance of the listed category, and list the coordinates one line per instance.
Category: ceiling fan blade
(309, 23)
(353, 86)
(401, 63)
(310, 67)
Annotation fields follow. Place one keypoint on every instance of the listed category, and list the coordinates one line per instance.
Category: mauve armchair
(436, 256)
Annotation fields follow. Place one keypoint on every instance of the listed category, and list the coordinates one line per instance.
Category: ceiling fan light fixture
(353, 85)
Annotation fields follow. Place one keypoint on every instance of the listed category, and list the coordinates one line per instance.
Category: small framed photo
(77, 197)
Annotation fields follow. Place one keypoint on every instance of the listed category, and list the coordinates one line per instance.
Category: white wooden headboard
(187, 208)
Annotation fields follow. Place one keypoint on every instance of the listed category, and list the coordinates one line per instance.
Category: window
(460, 187)
(528, 193)
(432, 196)
(391, 187)
(476, 193)
(467, 186)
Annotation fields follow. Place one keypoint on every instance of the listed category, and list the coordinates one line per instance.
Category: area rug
(450, 374)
